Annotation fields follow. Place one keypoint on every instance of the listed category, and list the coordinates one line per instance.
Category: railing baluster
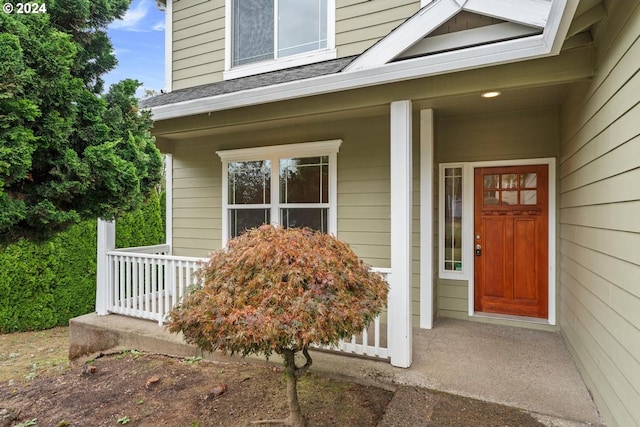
(147, 285)
(154, 287)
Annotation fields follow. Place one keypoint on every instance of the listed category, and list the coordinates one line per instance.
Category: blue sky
(138, 42)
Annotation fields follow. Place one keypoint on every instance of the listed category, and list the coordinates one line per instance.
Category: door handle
(478, 250)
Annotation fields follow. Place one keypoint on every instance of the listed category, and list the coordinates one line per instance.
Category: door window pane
(509, 180)
(253, 31)
(509, 197)
(529, 180)
(491, 181)
(244, 219)
(304, 180)
(249, 182)
(529, 197)
(491, 198)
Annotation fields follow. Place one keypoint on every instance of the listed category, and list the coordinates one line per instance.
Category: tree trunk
(295, 418)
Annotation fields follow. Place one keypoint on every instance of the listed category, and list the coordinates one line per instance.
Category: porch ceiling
(448, 106)
(509, 100)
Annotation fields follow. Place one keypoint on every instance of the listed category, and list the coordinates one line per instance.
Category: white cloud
(133, 17)
(159, 26)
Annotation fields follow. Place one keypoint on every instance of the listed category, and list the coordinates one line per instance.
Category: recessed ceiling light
(492, 94)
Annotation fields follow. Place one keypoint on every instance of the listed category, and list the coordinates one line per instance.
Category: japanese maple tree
(276, 290)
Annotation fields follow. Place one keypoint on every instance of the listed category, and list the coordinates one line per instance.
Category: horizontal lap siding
(198, 42)
(363, 190)
(499, 136)
(197, 199)
(599, 221)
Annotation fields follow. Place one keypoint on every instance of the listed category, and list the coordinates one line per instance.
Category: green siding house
(483, 154)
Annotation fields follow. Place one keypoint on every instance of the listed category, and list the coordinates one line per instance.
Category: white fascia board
(560, 18)
(534, 13)
(407, 34)
(474, 57)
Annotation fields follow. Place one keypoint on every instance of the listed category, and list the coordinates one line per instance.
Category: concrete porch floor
(528, 369)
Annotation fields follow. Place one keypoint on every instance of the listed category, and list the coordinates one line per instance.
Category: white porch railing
(146, 283)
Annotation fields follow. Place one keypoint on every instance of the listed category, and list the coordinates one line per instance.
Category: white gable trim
(532, 13)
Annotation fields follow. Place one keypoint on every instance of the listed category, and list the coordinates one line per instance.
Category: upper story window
(271, 29)
(267, 35)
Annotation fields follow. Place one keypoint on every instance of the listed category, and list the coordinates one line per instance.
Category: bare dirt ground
(39, 388)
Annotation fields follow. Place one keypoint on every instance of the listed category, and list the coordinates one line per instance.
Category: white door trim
(469, 170)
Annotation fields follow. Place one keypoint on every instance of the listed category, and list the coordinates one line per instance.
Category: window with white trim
(265, 35)
(451, 220)
(291, 185)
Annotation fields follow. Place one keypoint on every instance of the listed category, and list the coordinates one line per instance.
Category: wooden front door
(511, 240)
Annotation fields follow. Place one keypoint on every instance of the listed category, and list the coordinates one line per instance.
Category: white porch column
(106, 243)
(399, 306)
(426, 219)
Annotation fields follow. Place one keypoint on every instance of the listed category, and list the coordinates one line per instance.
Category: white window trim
(231, 72)
(467, 224)
(274, 153)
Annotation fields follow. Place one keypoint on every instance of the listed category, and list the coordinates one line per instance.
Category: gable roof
(548, 22)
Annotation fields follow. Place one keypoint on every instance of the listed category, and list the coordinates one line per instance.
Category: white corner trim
(168, 46)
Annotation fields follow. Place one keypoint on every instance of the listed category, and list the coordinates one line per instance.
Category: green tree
(66, 152)
(280, 290)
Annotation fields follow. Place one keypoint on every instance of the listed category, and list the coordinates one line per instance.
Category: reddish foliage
(275, 289)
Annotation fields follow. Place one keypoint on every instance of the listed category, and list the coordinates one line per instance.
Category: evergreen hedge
(45, 284)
